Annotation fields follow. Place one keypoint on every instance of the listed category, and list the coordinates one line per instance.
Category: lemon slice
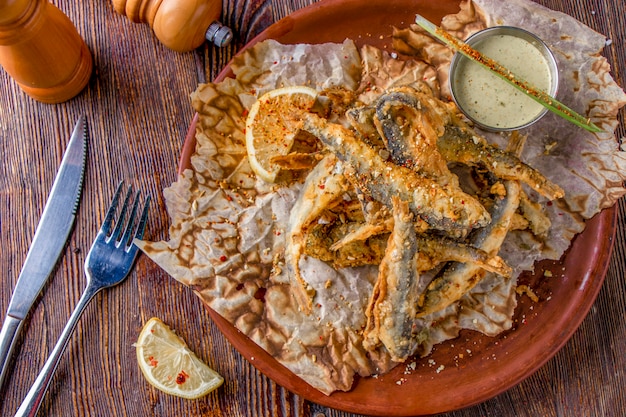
(169, 365)
(268, 131)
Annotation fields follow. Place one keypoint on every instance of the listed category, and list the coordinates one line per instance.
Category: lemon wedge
(268, 132)
(169, 365)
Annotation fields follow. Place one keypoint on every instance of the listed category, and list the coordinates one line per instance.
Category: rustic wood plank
(137, 103)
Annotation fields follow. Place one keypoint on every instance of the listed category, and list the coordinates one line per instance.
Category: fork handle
(32, 401)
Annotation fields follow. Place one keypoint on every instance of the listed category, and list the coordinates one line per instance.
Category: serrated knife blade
(49, 240)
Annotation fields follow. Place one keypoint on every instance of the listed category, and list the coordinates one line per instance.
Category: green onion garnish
(539, 96)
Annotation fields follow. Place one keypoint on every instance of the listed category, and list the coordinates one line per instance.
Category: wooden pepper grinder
(181, 25)
(42, 51)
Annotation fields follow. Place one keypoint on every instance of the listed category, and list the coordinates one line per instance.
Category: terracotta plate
(473, 367)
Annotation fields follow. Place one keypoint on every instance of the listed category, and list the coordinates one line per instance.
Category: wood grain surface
(139, 110)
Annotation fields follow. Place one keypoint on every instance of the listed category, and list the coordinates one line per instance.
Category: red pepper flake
(153, 362)
(322, 186)
(259, 294)
(181, 377)
(223, 258)
(245, 113)
(549, 203)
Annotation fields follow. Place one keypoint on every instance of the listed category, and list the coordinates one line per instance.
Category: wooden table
(139, 110)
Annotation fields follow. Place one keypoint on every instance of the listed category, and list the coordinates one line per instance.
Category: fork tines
(139, 228)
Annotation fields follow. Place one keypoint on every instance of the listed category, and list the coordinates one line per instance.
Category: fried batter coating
(460, 145)
(433, 250)
(444, 208)
(322, 187)
(393, 304)
(458, 278)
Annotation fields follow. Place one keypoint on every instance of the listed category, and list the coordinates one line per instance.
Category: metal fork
(108, 263)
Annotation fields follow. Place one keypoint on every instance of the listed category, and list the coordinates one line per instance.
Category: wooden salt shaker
(181, 25)
(42, 51)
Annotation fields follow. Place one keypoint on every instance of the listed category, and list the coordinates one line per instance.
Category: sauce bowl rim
(534, 40)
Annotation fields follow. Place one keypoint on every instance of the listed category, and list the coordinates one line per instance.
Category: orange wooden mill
(42, 51)
(181, 25)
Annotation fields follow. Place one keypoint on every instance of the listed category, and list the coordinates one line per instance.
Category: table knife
(48, 242)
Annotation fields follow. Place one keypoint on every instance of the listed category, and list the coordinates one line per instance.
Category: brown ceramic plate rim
(472, 368)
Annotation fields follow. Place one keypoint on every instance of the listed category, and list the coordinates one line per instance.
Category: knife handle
(181, 25)
(10, 330)
(42, 51)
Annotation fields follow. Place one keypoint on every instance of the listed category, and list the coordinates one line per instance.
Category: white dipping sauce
(490, 100)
